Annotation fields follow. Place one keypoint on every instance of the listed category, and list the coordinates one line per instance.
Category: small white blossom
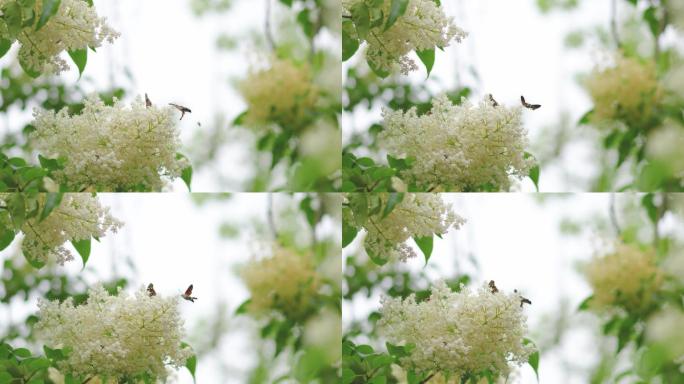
(626, 277)
(115, 336)
(423, 26)
(285, 282)
(459, 147)
(418, 215)
(78, 217)
(458, 332)
(75, 26)
(112, 148)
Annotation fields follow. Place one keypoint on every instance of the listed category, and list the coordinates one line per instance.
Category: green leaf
(584, 305)
(392, 201)
(586, 118)
(428, 58)
(22, 352)
(361, 19)
(52, 201)
(191, 365)
(242, 308)
(348, 234)
(304, 20)
(4, 46)
(83, 249)
(80, 58)
(425, 245)
(287, 2)
(349, 44)
(50, 8)
(27, 69)
(6, 237)
(534, 176)
(651, 18)
(16, 206)
(186, 176)
(240, 119)
(533, 359)
(648, 202)
(397, 9)
(375, 258)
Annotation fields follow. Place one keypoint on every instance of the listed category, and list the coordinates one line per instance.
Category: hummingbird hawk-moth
(528, 105)
(183, 110)
(187, 295)
(150, 290)
(148, 102)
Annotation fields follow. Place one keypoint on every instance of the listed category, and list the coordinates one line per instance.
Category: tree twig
(613, 216)
(267, 26)
(271, 217)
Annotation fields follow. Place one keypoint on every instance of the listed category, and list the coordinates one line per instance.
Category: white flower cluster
(458, 332)
(459, 147)
(112, 148)
(627, 89)
(418, 215)
(285, 282)
(75, 26)
(423, 26)
(115, 336)
(626, 277)
(78, 217)
(283, 94)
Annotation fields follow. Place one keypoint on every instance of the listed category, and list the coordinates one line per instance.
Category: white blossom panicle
(460, 147)
(423, 26)
(283, 93)
(79, 216)
(115, 336)
(75, 26)
(626, 277)
(438, 378)
(285, 282)
(626, 90)
(418, 215)
(455, 333)
(112, 148)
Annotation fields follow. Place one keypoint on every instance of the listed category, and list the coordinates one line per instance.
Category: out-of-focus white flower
(75, 26)
(116, 336)
(676, 12)
(458, 332)
(674, 80)
(78, 217)
(112, 148)
(461, 147)
(322, 143)
(423, 26)
(283, 93)
(285, 282)
(418, 215)
(665, 147)
(626, 277)
(324, 332)
(674, 264)
(665, 328)
(627, 89)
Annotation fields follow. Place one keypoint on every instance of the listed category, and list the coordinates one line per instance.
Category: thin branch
(267, 26)
(271, 217)
(613, 216)
(427, 379)
(614, 24)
